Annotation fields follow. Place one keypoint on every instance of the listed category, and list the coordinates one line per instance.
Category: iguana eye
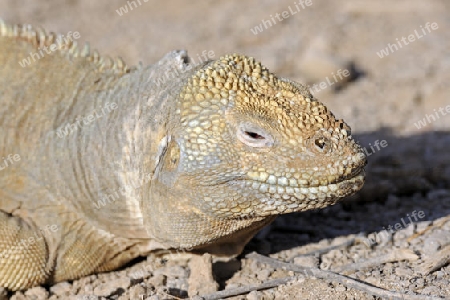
(254, 136)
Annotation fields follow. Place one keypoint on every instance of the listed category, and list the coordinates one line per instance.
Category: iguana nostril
(320, 142)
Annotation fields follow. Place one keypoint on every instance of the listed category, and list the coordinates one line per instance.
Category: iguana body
(201, 161)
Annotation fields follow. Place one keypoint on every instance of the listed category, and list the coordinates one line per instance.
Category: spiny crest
(39, 38)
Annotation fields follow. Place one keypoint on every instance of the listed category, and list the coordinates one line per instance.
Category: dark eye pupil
(254, 135)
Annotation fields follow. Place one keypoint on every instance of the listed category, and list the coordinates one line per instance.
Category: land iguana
(201, 161)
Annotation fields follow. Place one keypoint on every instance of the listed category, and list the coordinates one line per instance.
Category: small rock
(81, 283)
(82, 297)
(372, 280)
(434, 242)
(306, 261)
(254, 295)
(376, 273)
(279, 295)
(140, 274)
(300, 279)
(3, 294)
(340, 288)
(61, 289)
(18, 296)
(158, 280)
(269, 294)
(263, 275)
(401, 271)
(178, 286)
(232, 286)
(113, 287)
(421, 226)
(431, 290)
(420, 282)
(201, 280)
(440, 275)
(87, 289)
(176, 271)
(37, 293)
(137, 291)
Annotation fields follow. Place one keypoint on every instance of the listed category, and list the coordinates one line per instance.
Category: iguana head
(250, 145)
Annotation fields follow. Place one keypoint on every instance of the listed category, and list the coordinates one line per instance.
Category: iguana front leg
(35, 254)
(23, 254)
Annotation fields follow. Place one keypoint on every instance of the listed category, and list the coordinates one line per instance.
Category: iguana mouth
(299, 181)
(286, 198)
(354, 173)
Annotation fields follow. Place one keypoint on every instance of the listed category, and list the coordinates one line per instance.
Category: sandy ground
(402, 98)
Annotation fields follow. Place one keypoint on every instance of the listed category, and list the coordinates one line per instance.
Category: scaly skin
(201, 161)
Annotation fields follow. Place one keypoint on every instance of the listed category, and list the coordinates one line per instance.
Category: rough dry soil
(383, 99)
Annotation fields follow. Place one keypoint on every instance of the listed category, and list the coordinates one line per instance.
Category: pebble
(268, 294)
(87, 289)
(402, 271)
(254, 295)
(85, 281)
(201, 280)
(422, 226)
(3, 294)
(61, 289)
(18, 296)
(176, 271)
(158, 280)
(440, 274)
(136, 291)
(113, 287)
(37, 293)
(372, 280)
(340, 288)
(431, 290)
(306, 261)
(263, 274)
(179, 285)
(376, 273)
(435, 241)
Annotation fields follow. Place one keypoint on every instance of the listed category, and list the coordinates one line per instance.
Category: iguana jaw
(281, 199)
